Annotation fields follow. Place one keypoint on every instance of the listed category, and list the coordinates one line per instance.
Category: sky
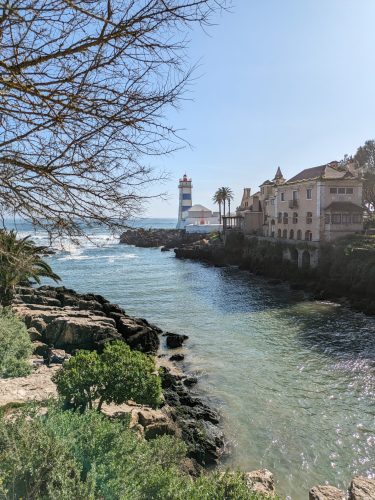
(287, 83)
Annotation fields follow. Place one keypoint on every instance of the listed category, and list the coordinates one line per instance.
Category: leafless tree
(84, 85)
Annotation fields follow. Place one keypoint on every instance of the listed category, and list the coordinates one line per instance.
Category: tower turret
(185, 200)
(279, 178)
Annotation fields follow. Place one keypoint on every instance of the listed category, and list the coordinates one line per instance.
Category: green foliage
(15, 346)
(117, 375)
(68, 455)
(19, 261)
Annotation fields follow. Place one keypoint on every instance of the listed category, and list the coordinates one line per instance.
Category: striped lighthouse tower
(185, 200)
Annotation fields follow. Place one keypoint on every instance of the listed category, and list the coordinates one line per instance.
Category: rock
(362, 488)
(34, 334)
(189, 381)
(175, 340)
(274, 281)
(160, 429)
(146, 341)
(38, 324)
(326, 492)
(148, 416)
(261, 481)
(177, 357)
(40, 349)
(165, 249)
(57, 356)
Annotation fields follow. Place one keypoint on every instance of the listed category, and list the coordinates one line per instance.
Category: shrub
(15, 346)
(67, 455)
(117, 375)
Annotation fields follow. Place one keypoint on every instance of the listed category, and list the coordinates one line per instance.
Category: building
(318, 204)
(194, 218)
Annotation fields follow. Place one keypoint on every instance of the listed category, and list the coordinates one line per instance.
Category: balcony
(293, 203)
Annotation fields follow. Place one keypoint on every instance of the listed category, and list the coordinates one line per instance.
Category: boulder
(57, 356)
(261, 481)
(34, 334)
(177, 357)
(146, 341)
(326, 492)
(40, 349)
(153, 431)
(189, 381)
(148, 416)
(362, 488)
(175, 340)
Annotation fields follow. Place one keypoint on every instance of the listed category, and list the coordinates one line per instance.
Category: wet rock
(189, 381)
(261, 481)
(362, 488)
(326, 492)
(175, 340)
(177, 357)
(146, 340)
(165, 249)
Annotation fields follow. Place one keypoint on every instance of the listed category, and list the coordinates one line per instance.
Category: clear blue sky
(281, 82)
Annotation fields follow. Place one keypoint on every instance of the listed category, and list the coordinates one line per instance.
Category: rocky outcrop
(165, 238)
(62, 318)
(174, 340)
(261, 481)
(362, 488)
(326, 492)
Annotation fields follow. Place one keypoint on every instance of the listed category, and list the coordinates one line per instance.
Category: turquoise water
(294, 379)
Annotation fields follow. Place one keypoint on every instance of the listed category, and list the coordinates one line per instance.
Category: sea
(293, 378)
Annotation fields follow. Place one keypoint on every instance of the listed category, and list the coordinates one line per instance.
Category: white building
(194, 218)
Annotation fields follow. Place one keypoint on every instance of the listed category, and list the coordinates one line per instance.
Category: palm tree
(217, 198)
(226, 195)
(19, 261)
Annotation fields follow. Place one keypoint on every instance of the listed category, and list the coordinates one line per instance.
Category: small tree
(88, 379)
(15, 346)
(19, 261)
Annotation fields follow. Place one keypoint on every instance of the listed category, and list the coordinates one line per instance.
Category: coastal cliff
(153, 238)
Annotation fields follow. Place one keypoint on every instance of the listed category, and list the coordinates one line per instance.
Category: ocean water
(294, 379)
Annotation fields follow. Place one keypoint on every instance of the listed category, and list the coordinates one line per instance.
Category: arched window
(285, 234)
(279, 217)
(308, 236)
(279, 233)
(285, 218)
(299, 234)
(291, 234)
(295, 217)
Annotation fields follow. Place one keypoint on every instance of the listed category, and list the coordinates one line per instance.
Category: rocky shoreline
(60, 321)
(154, 238)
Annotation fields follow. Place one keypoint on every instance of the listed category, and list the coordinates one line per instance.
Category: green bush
(15, 346)
(67, 455)
(117, 375)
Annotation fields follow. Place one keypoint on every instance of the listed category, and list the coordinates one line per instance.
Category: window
(336, 218)
(333, 190)
(299, 234)
(295, 195)
(341, 190)
(279, 233)
(285, 234)
(272, 201)
(279, 217)
(357, 218)
(291, 234)
(308, 194)
(282, 196)
(262, 190)
(349, 190)
(295, 218)
(285, 218)
(327, 219)
(308, 236)
(186, 196)
(345, 218)
(273, 222)
(308, 217)
(246, 203)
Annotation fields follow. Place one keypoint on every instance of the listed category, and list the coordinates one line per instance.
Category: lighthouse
(185, 188)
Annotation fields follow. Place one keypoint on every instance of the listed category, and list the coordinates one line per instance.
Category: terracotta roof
(343, 206)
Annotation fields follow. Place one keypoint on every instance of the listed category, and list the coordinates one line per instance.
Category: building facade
(318, 204)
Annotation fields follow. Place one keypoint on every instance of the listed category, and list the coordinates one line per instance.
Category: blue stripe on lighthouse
(186, 196)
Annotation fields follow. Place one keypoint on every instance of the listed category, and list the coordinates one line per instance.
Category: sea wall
(340, 271)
